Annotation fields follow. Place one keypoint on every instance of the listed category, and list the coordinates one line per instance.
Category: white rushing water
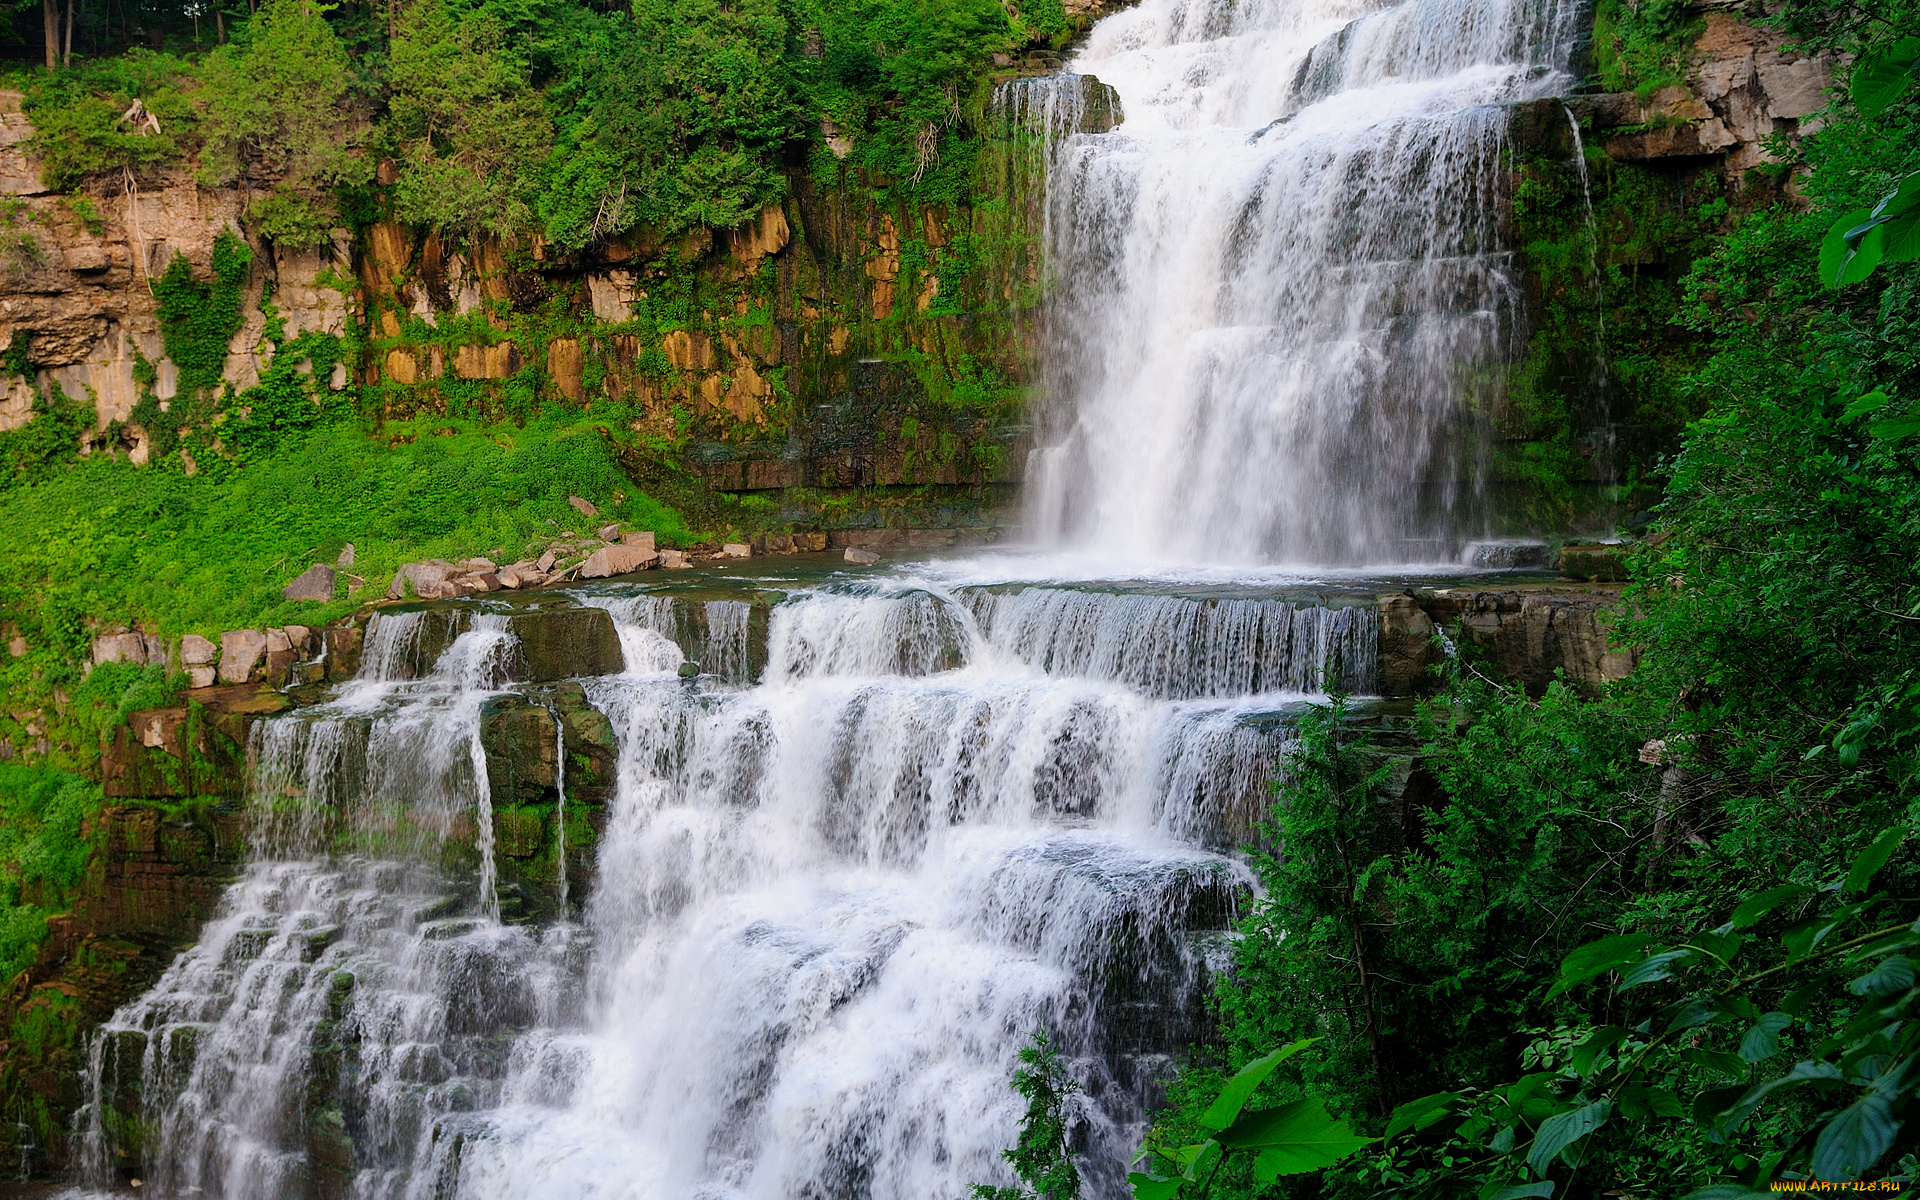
(829, 908)
(1281, 300)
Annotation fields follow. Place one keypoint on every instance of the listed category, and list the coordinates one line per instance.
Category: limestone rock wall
(83, 297)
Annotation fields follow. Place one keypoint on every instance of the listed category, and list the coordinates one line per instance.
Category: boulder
(546, 562)
(343, 651)
(346, 558)
(608, 533)
(510, 578)
(1597, 562)
(1407, 646)
(474, 566)
(240, 652)
(675, 560)
(120, 647)
(201, 677)
(585, 507)
(429, 579)
(196, 651)
(810, 541)
(562, 643)
(482, 581)
(617, 560)
(863, 558)
(736, 550)
(642, 538)
(315, 583)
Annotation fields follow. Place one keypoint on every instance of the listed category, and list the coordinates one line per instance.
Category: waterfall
(853, 842)
(1281, 302)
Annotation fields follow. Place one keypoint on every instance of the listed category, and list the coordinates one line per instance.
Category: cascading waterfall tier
(841, 874)
(1281, 302)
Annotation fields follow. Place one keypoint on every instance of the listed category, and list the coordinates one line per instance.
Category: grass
(103, 541)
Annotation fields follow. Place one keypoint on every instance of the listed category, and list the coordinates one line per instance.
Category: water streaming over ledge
(1281, 301)
(827, 911)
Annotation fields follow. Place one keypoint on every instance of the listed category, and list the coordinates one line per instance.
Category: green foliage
(1642, 46)
(48, 441)
(1042, 1158)
(276, 108)
(1701, 1048)
(43, 854)
(13, 359)
(199, 317)
(463, 122)
(86, 124)
(88, 212)
(197, 553)
(21, 253)
(1288, 1139)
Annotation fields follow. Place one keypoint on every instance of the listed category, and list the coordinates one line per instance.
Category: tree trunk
(66, 54)
(50, 13)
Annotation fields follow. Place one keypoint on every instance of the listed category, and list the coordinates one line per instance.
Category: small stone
(17, 646)
(859, 557)
(346, 558)
(474, 565)
(609, 533)
(196, 651)
(737, 550)
(642, 538)
(314, 584)
(201, 677)
(675, 560)
(586, 509)
(510, 578)
(546, 562)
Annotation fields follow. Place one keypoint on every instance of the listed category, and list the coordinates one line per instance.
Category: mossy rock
(565, 643)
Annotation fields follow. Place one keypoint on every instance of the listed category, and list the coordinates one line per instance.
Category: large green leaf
(1855, 1139)
(1557, 1133)
(1881, 75)
(1597, 1043)
(1651, 970)
(1292, 1138)
(1758, 905)
(1733, 1115)
(1597, 958)
(1154, 1187)
(1520, 1191)
(1845, 260)
(1892, 975)
(1868, 862)
(1233, 1097)
(1762, 1041)
(1416, 1115)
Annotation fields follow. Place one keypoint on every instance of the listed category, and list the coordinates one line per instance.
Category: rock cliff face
(156, 875)
(1745, 88)
(851, 339)
(77, 286)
